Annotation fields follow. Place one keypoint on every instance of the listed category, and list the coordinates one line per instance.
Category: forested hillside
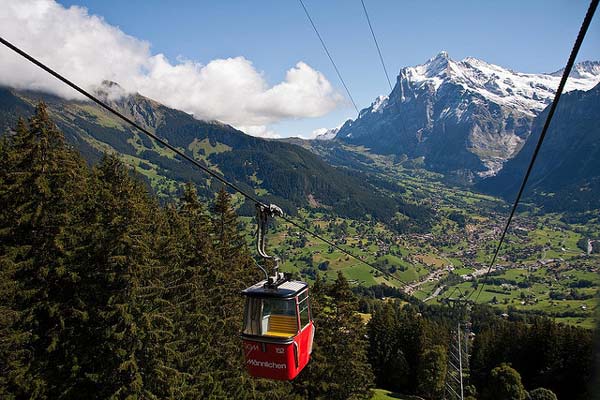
(285, 174)
(109, 294)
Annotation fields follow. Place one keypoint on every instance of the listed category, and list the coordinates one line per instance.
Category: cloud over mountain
(88, 50)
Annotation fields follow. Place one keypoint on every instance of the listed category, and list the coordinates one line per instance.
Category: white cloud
(317, 132)
(88, 50)
(331, 132)
(260, 130)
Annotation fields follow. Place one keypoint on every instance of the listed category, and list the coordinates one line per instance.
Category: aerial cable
(376, 44)
(329, 242)
(581, 35)
(450, 295)
(387, 77)
(187, 157)
(128, 120)
(330, 57)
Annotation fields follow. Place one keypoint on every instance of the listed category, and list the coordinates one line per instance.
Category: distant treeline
(408, 351)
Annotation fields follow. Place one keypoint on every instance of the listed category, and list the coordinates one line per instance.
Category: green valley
(538, 271)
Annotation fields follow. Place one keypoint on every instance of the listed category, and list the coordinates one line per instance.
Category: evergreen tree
(187, 252)
(12, 353)
(228, 242)
(339, 368)
(223, 284)
(549, 355)
(504, 384)
(432, 372)
(41, 182)
(542, 394)
(385, 353)
(129, 319)
(412, 339)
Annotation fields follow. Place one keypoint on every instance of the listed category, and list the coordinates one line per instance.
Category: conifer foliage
(108, 295)
(407, 351)
(41, 191)
(339, 368)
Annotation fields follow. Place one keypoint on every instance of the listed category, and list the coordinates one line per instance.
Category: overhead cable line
(185, 156)
(376, 45)
(387, 77)
(450, 295)
(330, 58)
(128, 120)
(581, 35)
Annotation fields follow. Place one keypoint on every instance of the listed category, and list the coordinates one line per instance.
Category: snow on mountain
(465, 117)
(377, 106)
(582, 70)
(569, 163)
(327, 134)
(528, 93)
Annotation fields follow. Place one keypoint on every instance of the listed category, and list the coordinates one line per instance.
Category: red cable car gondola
(278, 329)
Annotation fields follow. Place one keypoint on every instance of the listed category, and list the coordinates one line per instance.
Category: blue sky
(527, 36)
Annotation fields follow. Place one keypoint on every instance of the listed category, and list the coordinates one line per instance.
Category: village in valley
(548, 264)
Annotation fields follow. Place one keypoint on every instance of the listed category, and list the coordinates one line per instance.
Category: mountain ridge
(275, 171)
(566, 174)
(464, 117)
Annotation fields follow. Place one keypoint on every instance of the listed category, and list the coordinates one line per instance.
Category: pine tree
(505, 384)
(385, 352)
(432, 372)
(188, 253)
(12, 344)
(129, 320)
(224, 281)
(41, 184)
(542, 394)
(339, 368)
(228, 242)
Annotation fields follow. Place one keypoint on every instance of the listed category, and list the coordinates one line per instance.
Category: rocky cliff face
(464, 117)
(566, 174)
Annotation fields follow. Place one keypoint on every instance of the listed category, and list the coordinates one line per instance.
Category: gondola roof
(285, 290)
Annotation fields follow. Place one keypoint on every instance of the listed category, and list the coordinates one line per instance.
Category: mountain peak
(327, 134)
(442, 55)
(434, 71)
(110, 84)
(467, 115)
(379, 102)
(582, 70)
(438, 65)
(523, 92)
(110, 90)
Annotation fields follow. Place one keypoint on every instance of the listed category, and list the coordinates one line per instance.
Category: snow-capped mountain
(328, 134)
(568, 164)
(465, 116)
(583, 70)
(528, 93)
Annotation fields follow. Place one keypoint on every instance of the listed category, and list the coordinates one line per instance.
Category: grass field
(411, 258)
(540, 254)
(382, 394)
(544, 265)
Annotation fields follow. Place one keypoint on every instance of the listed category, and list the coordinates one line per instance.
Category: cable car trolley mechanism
(278, 329)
